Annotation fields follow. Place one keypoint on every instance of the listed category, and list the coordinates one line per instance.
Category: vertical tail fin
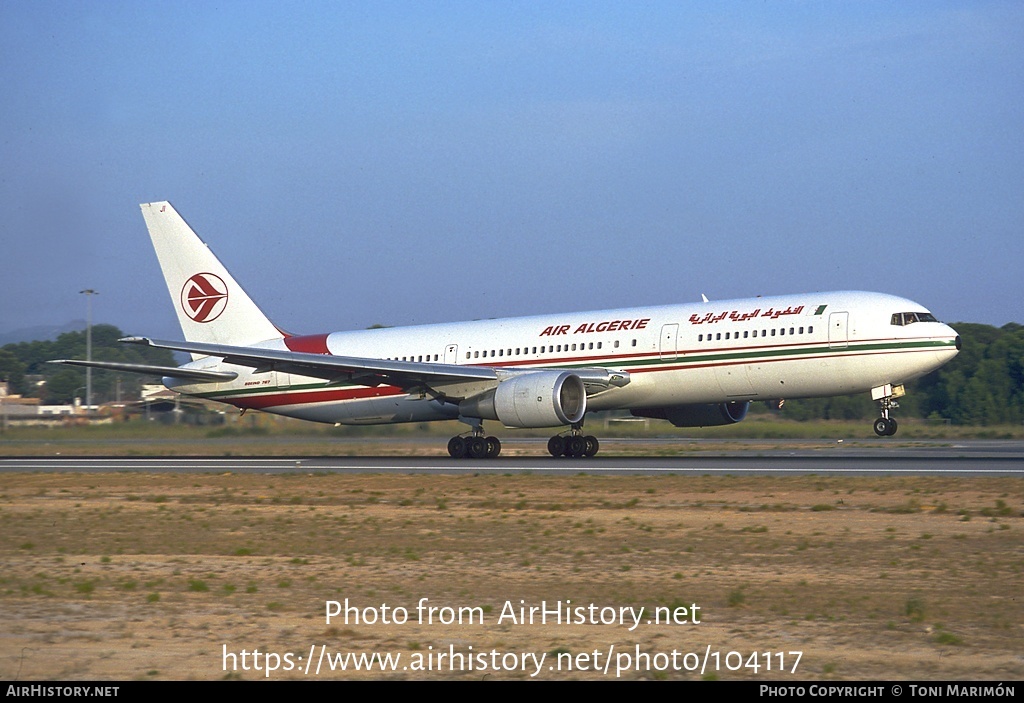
(210, 304)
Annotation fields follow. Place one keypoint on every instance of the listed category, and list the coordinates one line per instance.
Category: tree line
(983, 385)
(23, 365)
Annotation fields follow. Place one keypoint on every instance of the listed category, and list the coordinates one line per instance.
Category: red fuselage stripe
(272, 400)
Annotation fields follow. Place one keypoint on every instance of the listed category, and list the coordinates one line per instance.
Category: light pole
(88, 293)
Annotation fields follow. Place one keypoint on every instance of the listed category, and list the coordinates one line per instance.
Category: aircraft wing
(408, 375)
(172, 371)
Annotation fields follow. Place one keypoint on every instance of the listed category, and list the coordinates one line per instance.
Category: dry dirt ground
(129, 576)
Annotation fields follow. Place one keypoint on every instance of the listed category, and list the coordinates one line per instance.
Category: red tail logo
(204, 297)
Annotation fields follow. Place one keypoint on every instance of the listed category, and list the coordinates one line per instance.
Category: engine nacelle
(538, 399)
(710, 415)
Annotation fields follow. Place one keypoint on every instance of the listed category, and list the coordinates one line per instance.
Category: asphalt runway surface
(938, 458)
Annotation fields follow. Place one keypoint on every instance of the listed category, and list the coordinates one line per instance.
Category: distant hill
(47, 333)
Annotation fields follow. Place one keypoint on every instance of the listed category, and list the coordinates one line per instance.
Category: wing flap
(449, 379)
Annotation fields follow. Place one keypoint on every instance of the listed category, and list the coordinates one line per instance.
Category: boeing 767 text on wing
(694, 365)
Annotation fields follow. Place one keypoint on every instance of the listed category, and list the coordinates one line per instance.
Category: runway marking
(242, 465)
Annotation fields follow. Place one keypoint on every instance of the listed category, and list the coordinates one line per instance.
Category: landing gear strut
(476, 445)
(575, 444)
(886, 426)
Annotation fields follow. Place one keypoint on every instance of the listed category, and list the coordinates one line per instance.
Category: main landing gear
(474, 447)
(477, 446)
(574, 445)
(886, 426)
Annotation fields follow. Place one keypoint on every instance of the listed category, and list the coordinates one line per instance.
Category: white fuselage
(815, 344)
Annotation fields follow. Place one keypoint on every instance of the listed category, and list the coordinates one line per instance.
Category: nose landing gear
(885, 427)
(886, 395)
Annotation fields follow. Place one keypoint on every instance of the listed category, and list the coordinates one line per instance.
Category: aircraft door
(282, 380)
(669, 341)
(451, 354)
(838, 330)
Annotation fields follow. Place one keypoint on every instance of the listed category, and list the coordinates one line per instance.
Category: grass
(764, 577)
(259, 434)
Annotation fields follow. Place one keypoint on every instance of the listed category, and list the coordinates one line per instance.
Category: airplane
(694, 365)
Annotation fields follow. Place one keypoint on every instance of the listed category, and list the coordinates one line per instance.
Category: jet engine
(710, 415)
(536, 399)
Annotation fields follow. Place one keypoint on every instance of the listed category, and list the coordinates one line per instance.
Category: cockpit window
(907, 318)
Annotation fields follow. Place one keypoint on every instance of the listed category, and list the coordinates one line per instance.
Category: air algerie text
(604, 326)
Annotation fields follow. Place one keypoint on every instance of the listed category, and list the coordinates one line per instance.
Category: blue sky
(407, 162)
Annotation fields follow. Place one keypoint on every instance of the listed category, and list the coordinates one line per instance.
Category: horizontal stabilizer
(172, 371)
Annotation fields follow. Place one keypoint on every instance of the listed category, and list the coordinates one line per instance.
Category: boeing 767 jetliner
(693, 365)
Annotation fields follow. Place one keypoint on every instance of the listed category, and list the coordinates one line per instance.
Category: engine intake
(537, 399)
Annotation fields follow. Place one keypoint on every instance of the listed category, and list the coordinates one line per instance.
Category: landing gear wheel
(493, 447)
(592, 445)
(575, 446)
(885, 427)
(457, 447)
(476, 447)
(556, 446)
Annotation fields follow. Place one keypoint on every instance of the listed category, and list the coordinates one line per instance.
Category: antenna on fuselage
(704, 298)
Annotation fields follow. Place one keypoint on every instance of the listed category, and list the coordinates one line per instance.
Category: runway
(962, 458)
